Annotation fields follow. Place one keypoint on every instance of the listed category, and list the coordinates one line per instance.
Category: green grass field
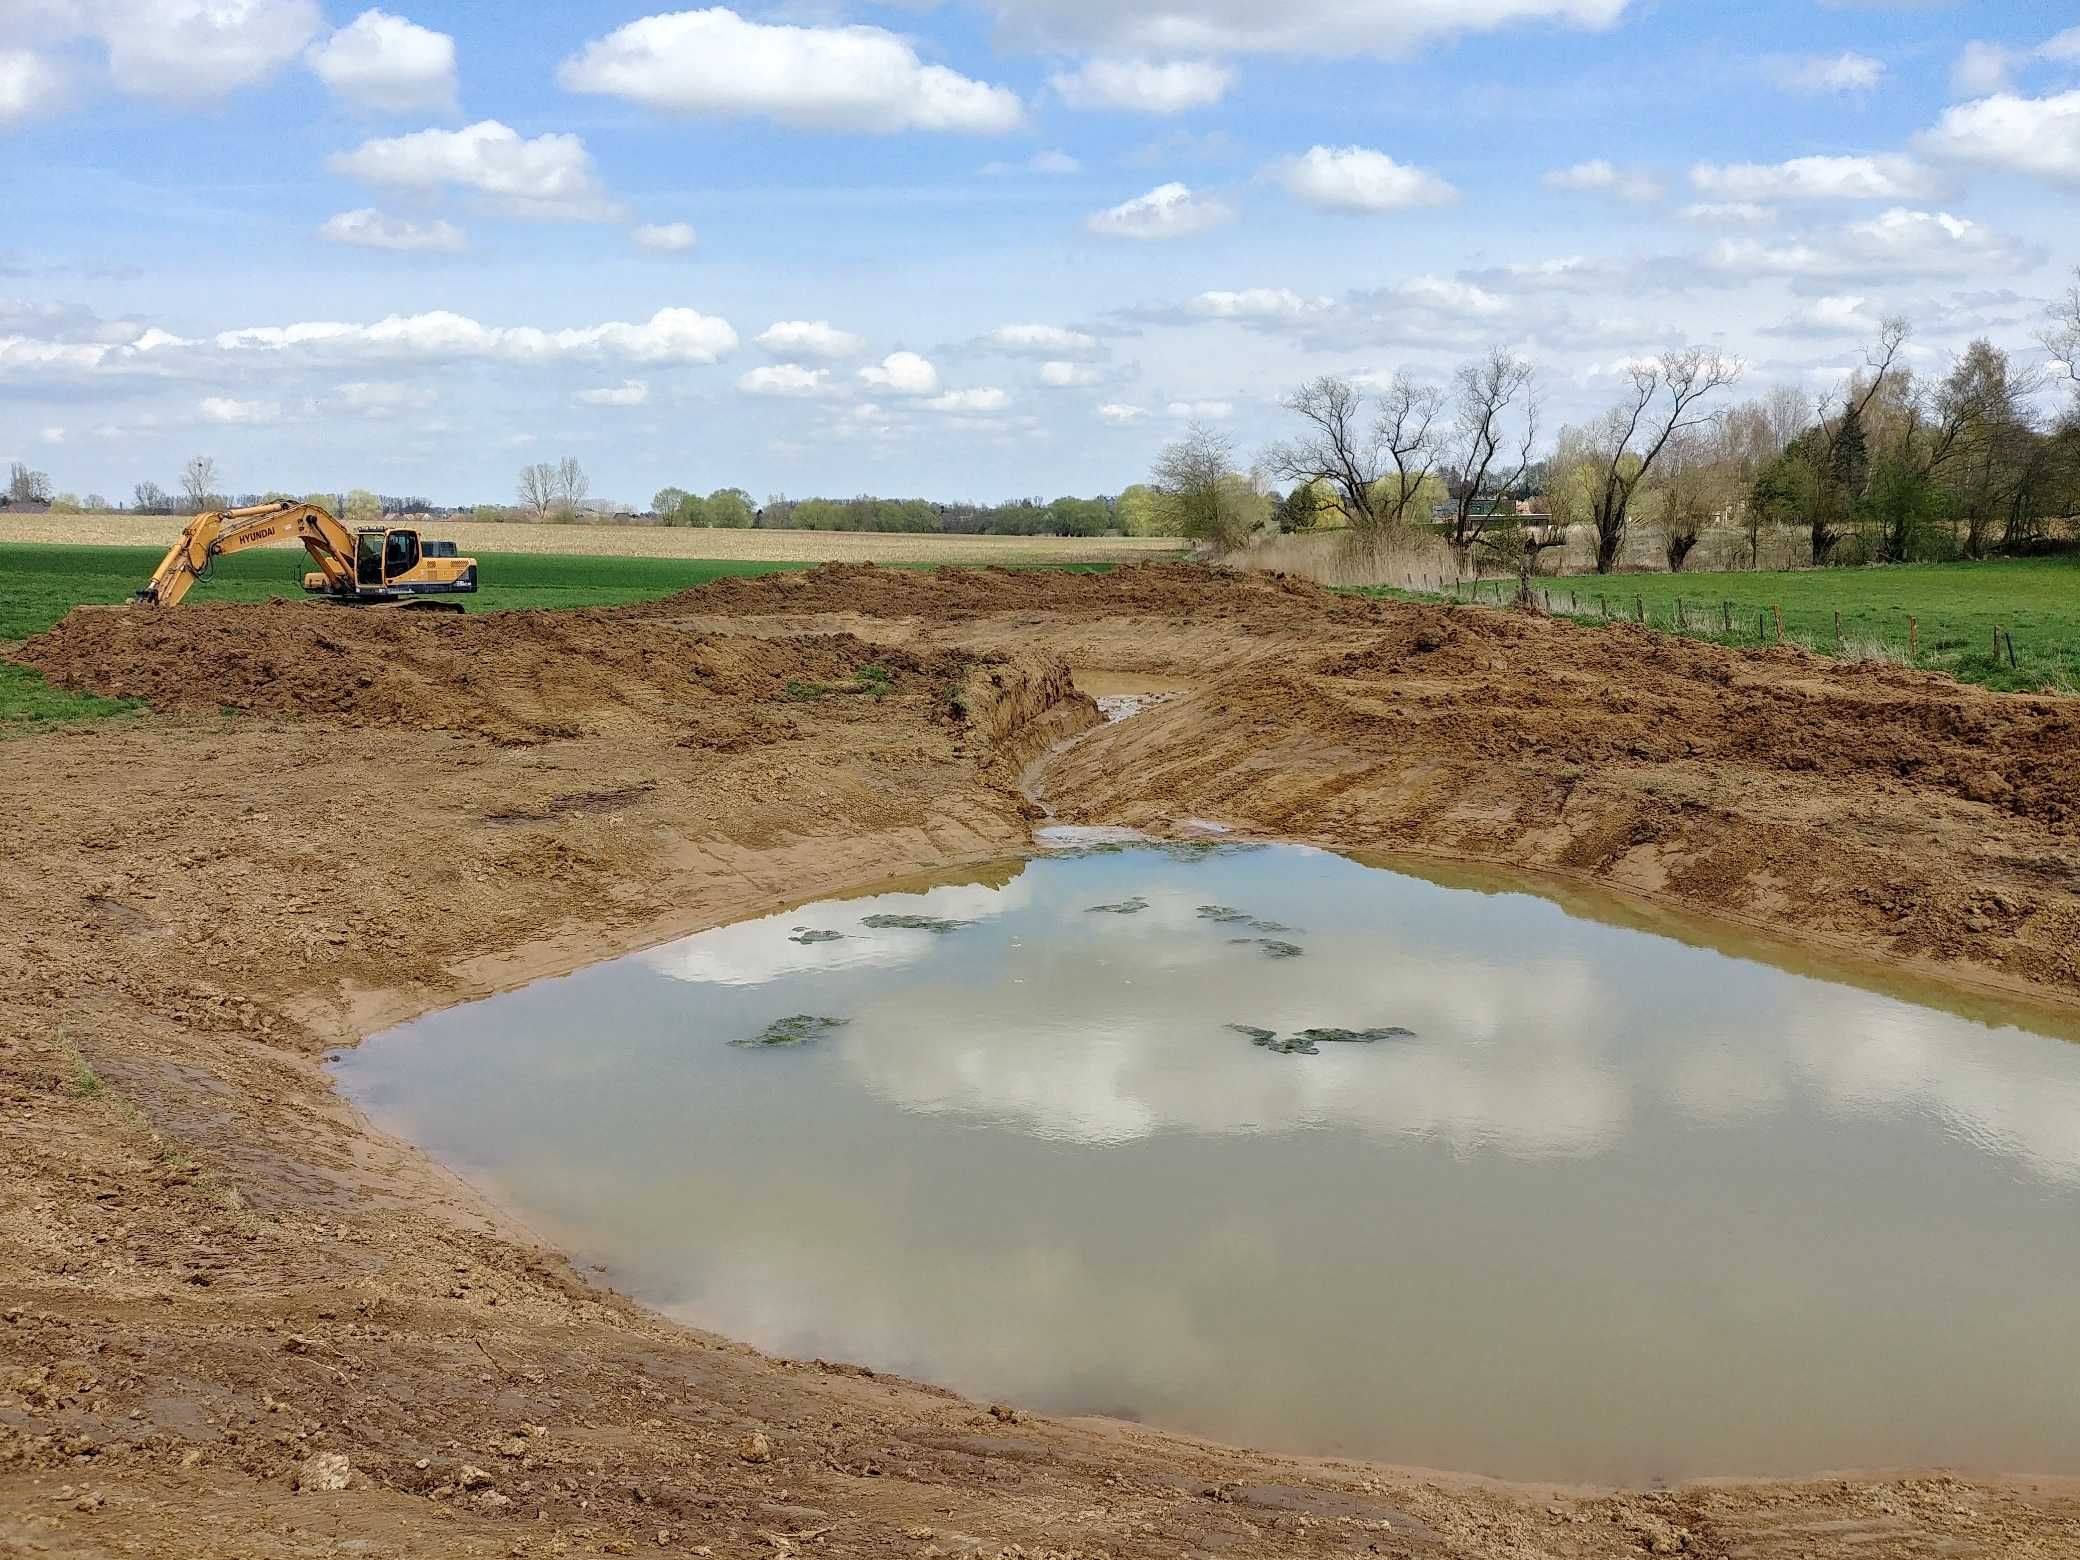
(1958, 607)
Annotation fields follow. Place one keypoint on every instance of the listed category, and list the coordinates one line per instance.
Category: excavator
(368, 566)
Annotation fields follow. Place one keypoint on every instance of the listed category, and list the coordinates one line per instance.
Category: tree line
(1887, 466)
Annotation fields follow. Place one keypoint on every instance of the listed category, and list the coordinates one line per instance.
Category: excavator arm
(213, 534)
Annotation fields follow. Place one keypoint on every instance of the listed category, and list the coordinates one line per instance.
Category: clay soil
(235, 1320)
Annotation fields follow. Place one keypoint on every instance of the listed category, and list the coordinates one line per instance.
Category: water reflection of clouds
(760, 952)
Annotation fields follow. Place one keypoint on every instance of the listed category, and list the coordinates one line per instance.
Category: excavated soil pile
(953, 595)
(512, 676)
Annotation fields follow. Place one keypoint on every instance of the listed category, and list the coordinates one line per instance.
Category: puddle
(1472, 1183)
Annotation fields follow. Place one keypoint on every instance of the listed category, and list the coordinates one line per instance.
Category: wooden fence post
(1639, 609)
(1838, 628)
(1778, 608)
(1727, 608)
(1913, 637)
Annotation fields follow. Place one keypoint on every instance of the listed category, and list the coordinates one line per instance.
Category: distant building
(25, 506)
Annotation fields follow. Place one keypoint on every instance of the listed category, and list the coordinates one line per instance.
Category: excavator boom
(375, 564)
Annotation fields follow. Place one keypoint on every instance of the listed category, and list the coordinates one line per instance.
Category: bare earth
(222, 1293)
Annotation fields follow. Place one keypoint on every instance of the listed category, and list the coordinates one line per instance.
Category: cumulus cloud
(1119, 413)
(1255, 304)
(664, 237)
(986, 398)
(222, 409)
(1061, 374)
(1167, 211)
(1981, 68)
(548, 176)
(790, 379)
(903, 372)
(385, 62)
(1041, 341)
(668, 336)
(2038, 136)
(630, 392)
(1201, 411)
(197, 49)
(1143, 86)
(1847, 72)
(381, 398)
(1833, 314)
(822, 78)
(809, 338)
(29, 84)
(1604, 178)
(1327, 28)
(1899, 243)
(1355, 178)
(369, 228)
(1818, 178)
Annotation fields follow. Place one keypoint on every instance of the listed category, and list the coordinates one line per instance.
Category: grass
(1958, 607)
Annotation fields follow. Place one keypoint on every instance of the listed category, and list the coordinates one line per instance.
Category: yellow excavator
(368, 566)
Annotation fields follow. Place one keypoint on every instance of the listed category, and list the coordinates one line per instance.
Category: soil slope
(236, 1321)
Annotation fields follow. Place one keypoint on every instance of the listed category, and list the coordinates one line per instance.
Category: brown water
(1616, 1208)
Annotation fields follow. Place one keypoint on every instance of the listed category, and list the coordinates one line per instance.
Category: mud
(223, 1296)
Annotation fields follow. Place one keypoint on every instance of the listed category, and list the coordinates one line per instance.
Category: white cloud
(2064, 47)
(222, 409)
(1167, 211)
(1053, 160)
(903, 372)
(1202, 411)
(1818, 178)
(1355, 178)
(1449, 295)
(824, 78)
(809, 338)
(372, 229)
(1120, 414)
(664, 237)
(29, 84)
(630, 392)
(1060, 374)
(1255, 304)
(382, 398)
(197, 49)
(785, 379)
(668, 336)
(1602, 177)
(1982, 68)
(1899, 243)
(548, 176)
(1729, 213)
(982, 399)
(1144, 86)
(1835, 314)
(1042, 341)
(1844, 72)
(380, 61)
(1327, 28)
(2039, 136)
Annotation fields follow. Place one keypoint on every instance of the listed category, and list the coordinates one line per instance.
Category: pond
(1269, 1145)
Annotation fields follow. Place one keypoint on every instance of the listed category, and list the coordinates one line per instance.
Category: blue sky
(994, 248)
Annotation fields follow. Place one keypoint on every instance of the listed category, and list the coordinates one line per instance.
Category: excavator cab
(382, 556)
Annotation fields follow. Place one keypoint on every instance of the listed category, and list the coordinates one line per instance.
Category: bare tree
(1198, 492)
(199, 482)
(1789, 413)
(538, 488)
(1371, 473)
(1662, 403)
(2061, 337)
(1483, 395)
(571, 485)
(27, 487)
(1845, 435)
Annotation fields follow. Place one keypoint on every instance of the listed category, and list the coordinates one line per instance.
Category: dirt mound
(950, 595)
(517, 677)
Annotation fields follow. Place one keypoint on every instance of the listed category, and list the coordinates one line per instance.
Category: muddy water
(1613, 1206)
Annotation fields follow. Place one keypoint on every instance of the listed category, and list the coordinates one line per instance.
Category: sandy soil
(222, 1294)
